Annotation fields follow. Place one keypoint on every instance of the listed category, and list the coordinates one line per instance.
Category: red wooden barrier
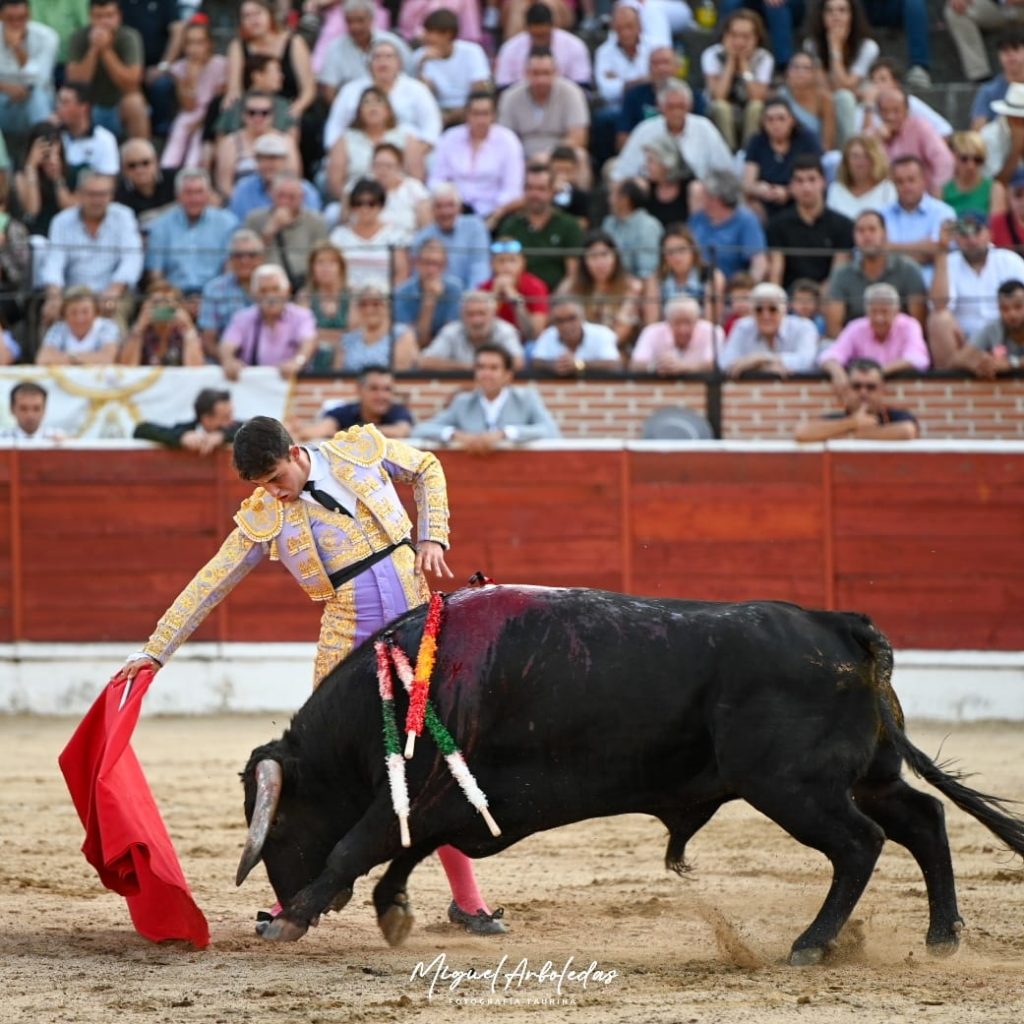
(98, 542)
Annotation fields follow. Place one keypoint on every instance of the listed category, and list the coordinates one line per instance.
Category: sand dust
(706, 948)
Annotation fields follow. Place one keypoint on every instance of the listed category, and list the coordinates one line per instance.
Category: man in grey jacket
(494, 411)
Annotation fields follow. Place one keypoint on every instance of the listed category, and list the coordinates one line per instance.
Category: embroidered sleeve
(423, 472)
(237, 557)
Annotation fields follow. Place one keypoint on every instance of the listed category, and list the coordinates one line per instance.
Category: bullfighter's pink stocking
(459, 869)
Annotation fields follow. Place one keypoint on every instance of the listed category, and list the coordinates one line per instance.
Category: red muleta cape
(125, 837)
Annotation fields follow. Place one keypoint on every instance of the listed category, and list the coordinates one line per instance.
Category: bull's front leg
(373, 840)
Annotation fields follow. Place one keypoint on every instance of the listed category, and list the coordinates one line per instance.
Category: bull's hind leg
(682, 827)
(916, 820)
(829, 822)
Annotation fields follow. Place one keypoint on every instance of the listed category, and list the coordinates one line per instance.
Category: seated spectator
(812, 106)
(636, 233)
(730, 236)
(702, 147)
(106, 57)
(483, 160)
(667, 178)
(889, 337)
(81, 336)
(548, 236)
(571, 346)
(28, 408)
(872, 262)
(567, 178)
(862, 178)
(905, 134)
(373, 248)
(187, 243)
(682, 273)
(28, 52)
(87, 144)
(886, 74)
(1004, 136)
(377, 341)
(770, 158)
(41, 185)
(737, 74)
(214, 426)
(839, 35)
(1010, 50)
(513, 15)
(494, 411)
(464, 236)
(453, 67)
(351, 156)
(142, 186)
(970, 190)
(264, 75)
(163, 333)
(640, 101)
(682, 343)
(915, 220)
(259, 32)
(998, 346)
(817, 240)
(346, 57)
(95, 243)
(225, 295)
(407, 203)
(375, 403)
(966, 19)
(160, 24)
(249, 160)
(771, 340)
(545, 110)
(15, 262)
(289, 231)
(429, 299)
(865, 415)
(965, 286)
(455, 346)
(608, 292)
(271, 332)
(738, 302)
(1008, 227)
(620, 62)
(805, 301)
(200, 78)
(781, 20)
(325, 293)
(415, 15)
(569, 53)
(522, 297)
(413, 103)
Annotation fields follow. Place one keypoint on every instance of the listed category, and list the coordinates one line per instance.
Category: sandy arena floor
(707, 949)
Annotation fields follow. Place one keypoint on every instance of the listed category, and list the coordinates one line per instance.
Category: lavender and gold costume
(313, 543)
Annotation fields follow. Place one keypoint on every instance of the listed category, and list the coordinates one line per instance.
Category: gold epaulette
(260, 517)
(363, 445)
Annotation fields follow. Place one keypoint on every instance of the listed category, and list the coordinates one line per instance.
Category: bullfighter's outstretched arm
(237, 557)
(423, 472)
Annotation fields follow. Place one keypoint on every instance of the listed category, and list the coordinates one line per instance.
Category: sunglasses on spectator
(511, 245)
(864, 385)
(970, 158)
(569, 318)
(968, 227)
(134, 165)
(258, 111)
(356, 203)
(246, 254)
(769, 308)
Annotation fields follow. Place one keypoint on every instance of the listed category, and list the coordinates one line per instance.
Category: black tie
(325, 499)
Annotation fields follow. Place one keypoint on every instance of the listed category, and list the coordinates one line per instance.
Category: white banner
(107, 401)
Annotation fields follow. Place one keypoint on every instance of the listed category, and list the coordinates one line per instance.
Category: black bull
(575, 704)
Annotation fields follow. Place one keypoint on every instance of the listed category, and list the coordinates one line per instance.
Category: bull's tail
(993, 812)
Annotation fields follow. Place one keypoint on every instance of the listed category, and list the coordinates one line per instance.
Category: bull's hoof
(945, 942)
(283, 930)
(807, 957)
(396, 922)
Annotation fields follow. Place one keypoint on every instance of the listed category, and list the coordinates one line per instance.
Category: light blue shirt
(75, 257)
(796, 343)
(189, 253)
(468, 248)
(223, 297)
(731, 245)
(251, 194)
(921, 224)
(599, 343)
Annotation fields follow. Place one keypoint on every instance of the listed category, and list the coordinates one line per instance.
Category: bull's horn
(268, 792)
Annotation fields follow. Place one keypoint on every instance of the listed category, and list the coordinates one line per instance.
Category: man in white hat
(1004, 136)
(252, 192)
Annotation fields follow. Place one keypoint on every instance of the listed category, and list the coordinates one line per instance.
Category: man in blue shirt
(430, 298)
(225, 295)
(375, 403)
(253, 191)
(465, 236)
(187, 243)
(730, 237)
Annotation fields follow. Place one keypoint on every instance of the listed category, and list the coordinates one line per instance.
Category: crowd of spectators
(336, 185)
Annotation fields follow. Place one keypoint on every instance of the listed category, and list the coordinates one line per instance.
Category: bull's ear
(269, 780)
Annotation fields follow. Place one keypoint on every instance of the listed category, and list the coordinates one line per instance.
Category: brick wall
(751, 410)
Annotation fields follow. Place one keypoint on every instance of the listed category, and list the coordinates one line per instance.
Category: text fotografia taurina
(509, 977)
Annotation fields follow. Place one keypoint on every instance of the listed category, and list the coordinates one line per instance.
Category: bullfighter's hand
(430, 558)
(131, 668)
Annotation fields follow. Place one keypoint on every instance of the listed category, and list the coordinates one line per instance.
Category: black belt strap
(343, 576)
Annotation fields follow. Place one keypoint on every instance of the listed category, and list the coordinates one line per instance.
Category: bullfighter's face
(285, 481)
